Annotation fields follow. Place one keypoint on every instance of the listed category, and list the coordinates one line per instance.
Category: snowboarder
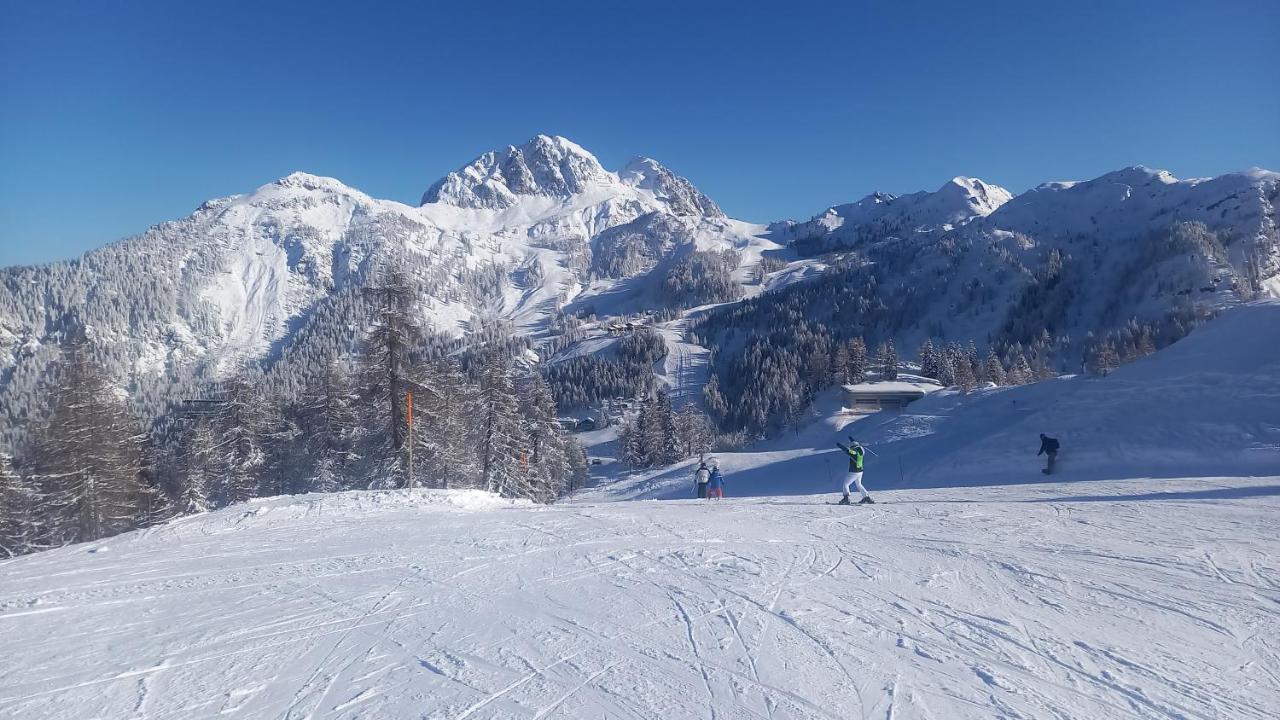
(1048, 446)
(857, 456)
(701, 477)
(715, 485)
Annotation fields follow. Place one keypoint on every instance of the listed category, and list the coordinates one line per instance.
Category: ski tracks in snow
(772, 609)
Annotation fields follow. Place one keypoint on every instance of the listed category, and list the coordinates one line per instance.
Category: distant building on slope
(886, 394)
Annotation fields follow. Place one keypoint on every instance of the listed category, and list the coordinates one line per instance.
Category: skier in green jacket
(857, 456)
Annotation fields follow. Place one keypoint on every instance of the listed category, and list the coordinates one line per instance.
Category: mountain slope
(1207, 405)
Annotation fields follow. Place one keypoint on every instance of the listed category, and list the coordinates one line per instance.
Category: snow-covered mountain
(525, 233)
(513, 235)
(1067, 257)
(959, 201)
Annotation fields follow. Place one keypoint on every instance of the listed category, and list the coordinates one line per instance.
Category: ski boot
(867, 501)
(844, 501)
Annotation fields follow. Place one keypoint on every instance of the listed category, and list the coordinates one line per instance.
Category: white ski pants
(854, 478)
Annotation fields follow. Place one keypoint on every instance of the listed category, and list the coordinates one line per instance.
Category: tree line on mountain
(656, 435)
(585, 381)
(90, 469)
(702, 277)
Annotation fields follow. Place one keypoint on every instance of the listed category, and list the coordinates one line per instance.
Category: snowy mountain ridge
(525, 233)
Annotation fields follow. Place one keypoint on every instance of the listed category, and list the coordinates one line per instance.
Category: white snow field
(1107, 601)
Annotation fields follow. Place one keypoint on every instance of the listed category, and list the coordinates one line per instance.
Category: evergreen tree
(547, 445)
(856, 371)
(16, 501)
(450, 434)
(330, 424)
(158, 506)
(240, 426)
(504, 458)
(715, 400)
(659, 430)
(1104, 359)
(993, 371)
(1019, 371)
(86, 458)
(385, 371)
(197, 477)
(840, 363)
(695, 433)
(961, 369)
(579, 468)
(930, 362)
(887, 361)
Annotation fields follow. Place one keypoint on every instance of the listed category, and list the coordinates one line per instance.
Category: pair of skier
(709, 480)
(857, 462)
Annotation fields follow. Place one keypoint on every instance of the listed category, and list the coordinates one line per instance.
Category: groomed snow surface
(1101, 600)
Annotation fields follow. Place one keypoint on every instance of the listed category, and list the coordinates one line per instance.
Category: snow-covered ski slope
(1208, 405)
(1100, 600)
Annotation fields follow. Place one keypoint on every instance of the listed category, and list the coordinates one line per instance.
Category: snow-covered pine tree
(503, 454)
(930, 362)
(1104, 359)
(962, 369)
(385, 368)
(549, 469)
(329, 423)
(694, 431)
(660, 430)
(579, 467)
(887, 360)
(157, 505)
(16, 500)
(632, 440)
(283, 449)
(1019, 371)
(85, 459)
(240, 426)
(840, 363)
(856, 370)
(993, 371)
(196, 474)
(714, 398)
(449, 433)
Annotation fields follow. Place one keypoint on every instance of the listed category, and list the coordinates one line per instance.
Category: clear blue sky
(115, 116)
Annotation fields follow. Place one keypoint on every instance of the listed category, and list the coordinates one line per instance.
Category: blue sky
(115, 116)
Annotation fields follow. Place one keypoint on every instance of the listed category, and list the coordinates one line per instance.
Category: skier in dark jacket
(857, 457)
(1048, 446)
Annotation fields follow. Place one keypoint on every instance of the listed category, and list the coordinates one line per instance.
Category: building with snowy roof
(885, 394)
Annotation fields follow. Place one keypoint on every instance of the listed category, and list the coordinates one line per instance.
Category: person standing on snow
(701, 477)
(1048, 446)
(715, 485)
(857, 456)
